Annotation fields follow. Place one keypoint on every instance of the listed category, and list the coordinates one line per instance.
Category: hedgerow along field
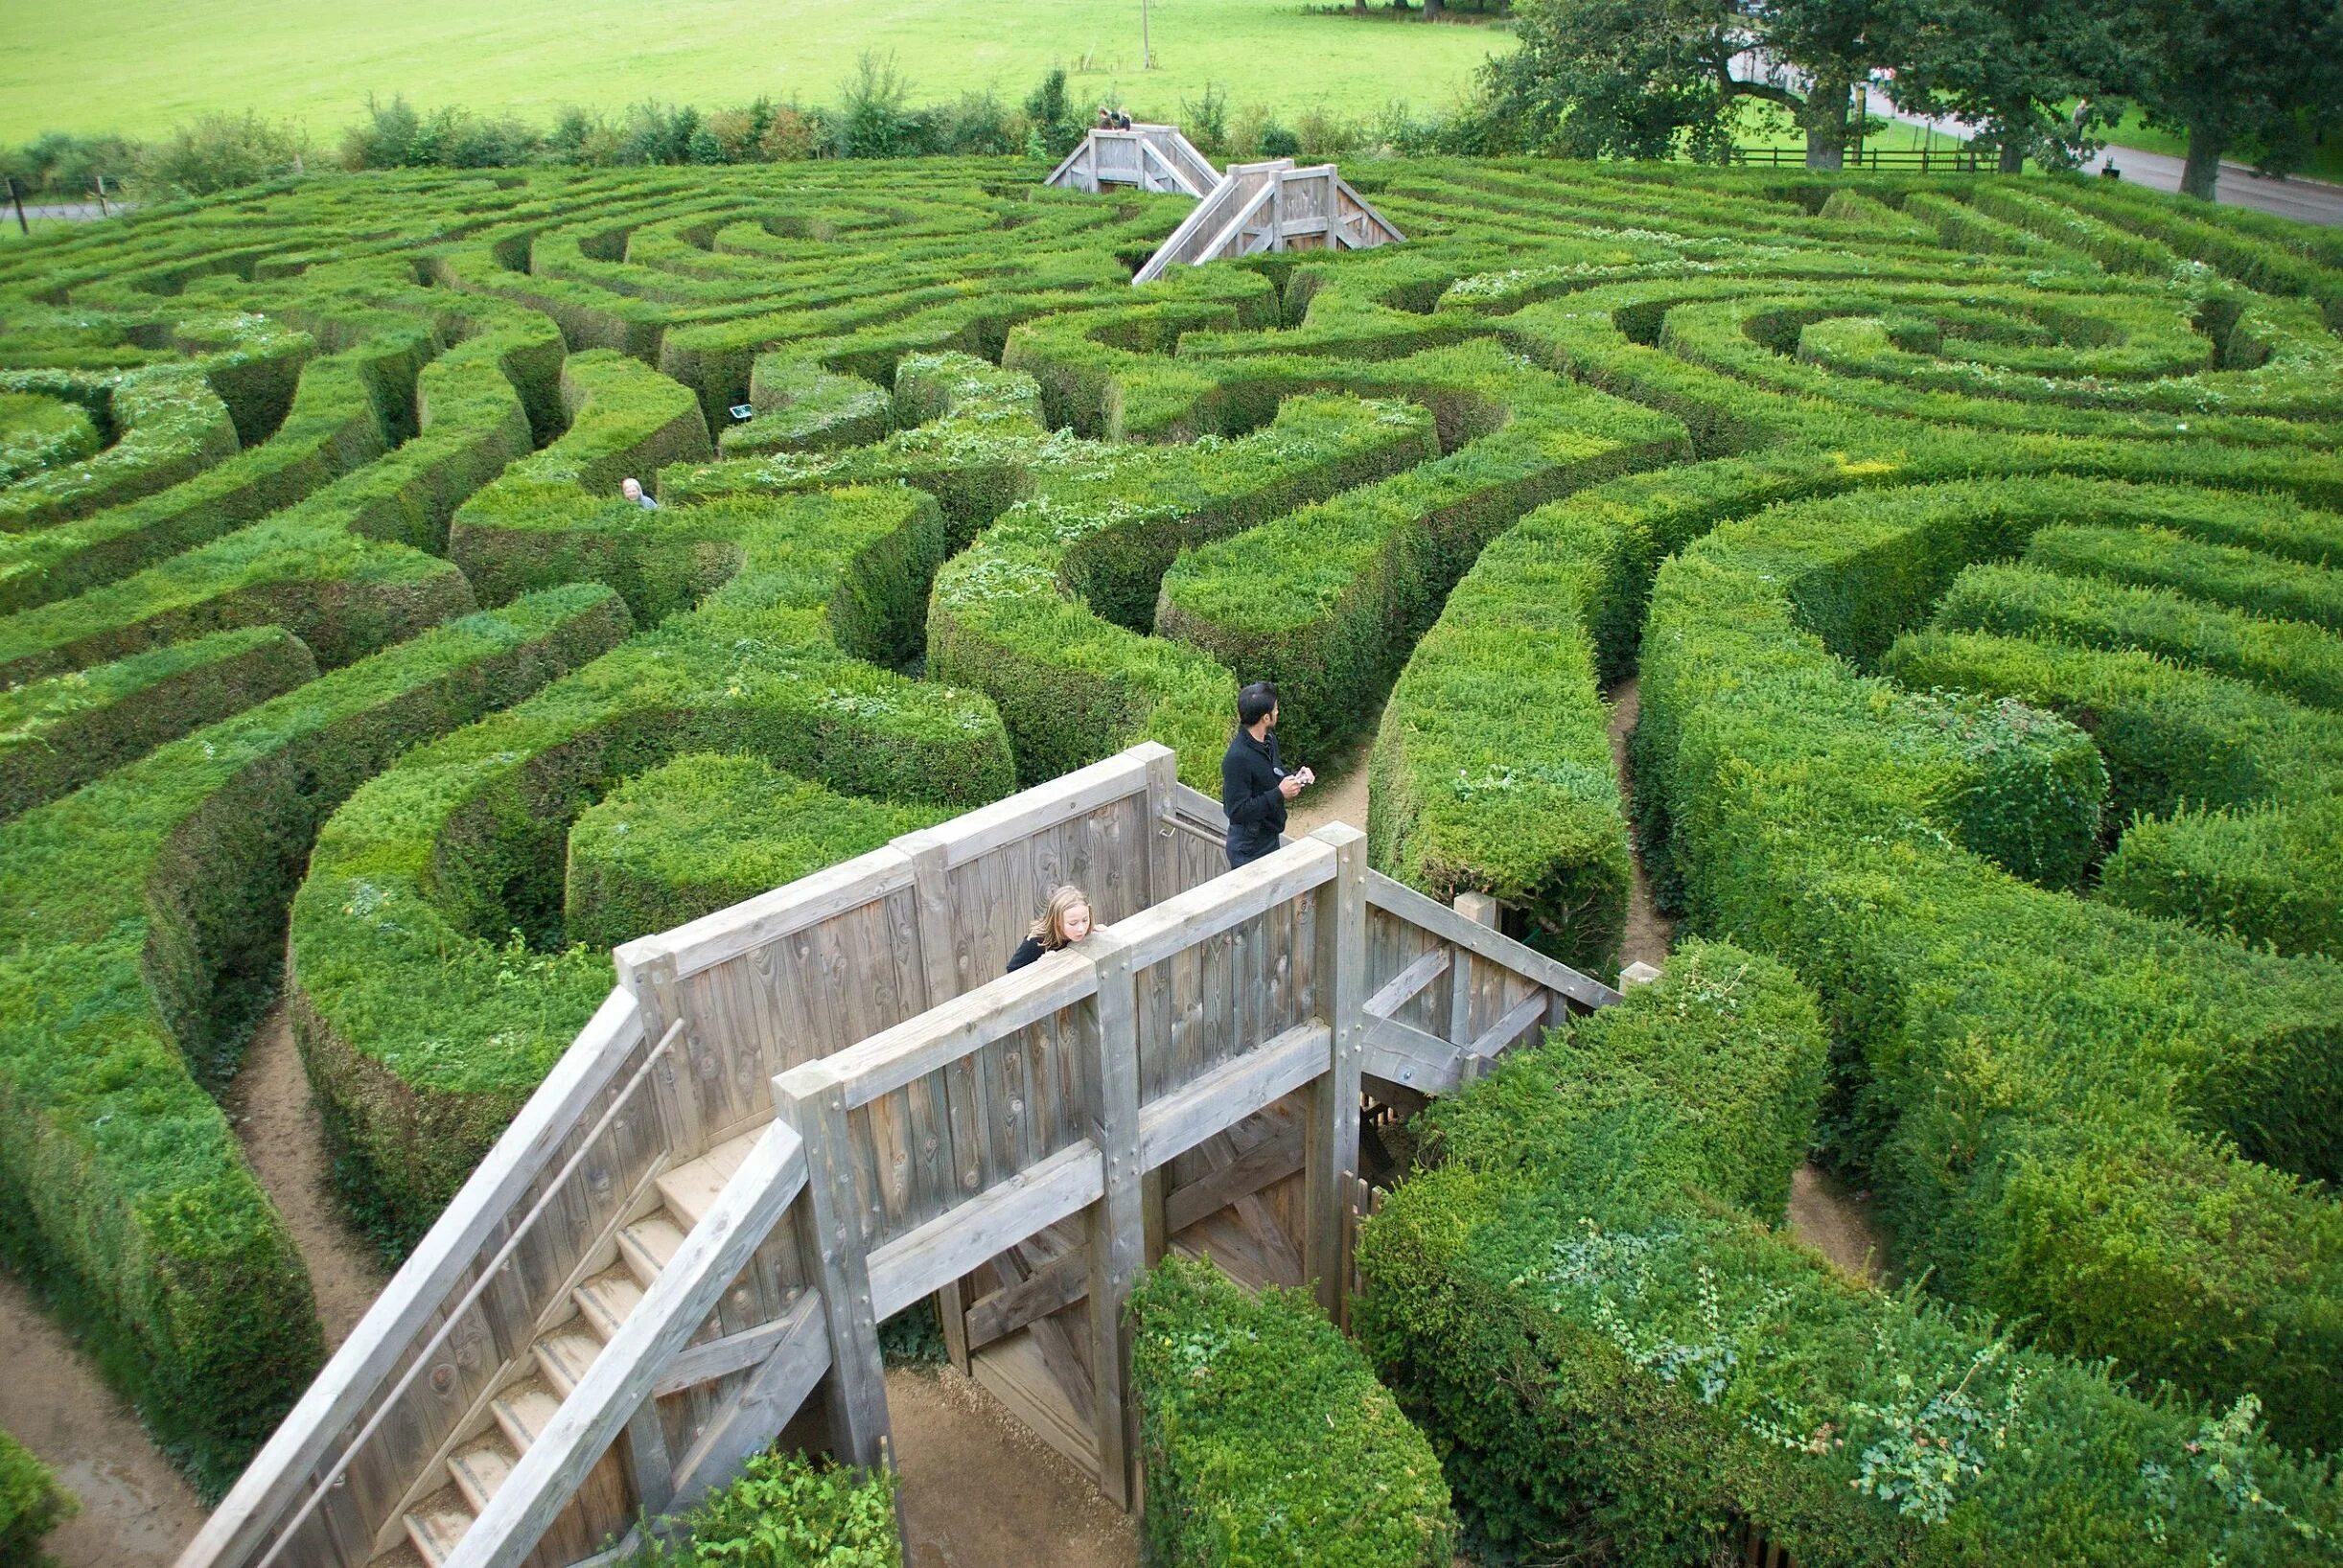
(162, 63)
(1973, 540)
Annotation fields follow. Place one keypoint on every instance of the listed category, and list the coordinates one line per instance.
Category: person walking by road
(1255, 788)
(1065, 921)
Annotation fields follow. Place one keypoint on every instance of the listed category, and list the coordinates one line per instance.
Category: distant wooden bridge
(1253, 207)
(801, 1115)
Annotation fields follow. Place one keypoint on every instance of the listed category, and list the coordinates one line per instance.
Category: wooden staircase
(799, 1115)
(1272, 206)
(1144, 157)
(538, 1381)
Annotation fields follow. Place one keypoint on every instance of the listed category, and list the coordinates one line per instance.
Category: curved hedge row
(1621, 1360)
(1404, 468)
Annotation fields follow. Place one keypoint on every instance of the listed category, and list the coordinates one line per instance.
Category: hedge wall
(140, 919)
(1620, 1362)
(1265, 1438)
(31, 1503)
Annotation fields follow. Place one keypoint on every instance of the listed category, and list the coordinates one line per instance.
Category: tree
(2007, 67)
(1052, 118)
(1633, 78)
(2232, 73)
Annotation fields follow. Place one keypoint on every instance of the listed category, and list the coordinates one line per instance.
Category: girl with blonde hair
(1064, 920)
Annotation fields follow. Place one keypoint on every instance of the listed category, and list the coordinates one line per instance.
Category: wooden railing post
(1331, 1146)
(1117, 1237)
(931, 882)
(1163, 882)
(812, 1099)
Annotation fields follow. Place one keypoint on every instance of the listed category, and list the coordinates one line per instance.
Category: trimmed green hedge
(31, 1503)
(1492, 772)
(39, 432)
(1620, 1364)
(433, 983)
(141, 920)
(801, 407)
(59, 734)
(787, 1510)
(1266, 1439)
(166, 423)
(703, 832)
(1992, 1034)
(1327, 600)
(2226, 575)
(2289, 658)
(1019, 615)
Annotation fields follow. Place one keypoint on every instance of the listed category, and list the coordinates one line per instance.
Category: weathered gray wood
(1056, 1284)
(955, 1242)
(1525, 1014)
(652, 1470)
(620, 1379)
(790, 1372)
(1179, 923)
(1403, 901)
(1180, 1120)
(812, 1099)
(1117, 1229)
(1408, 984)
(912, 1050)
(1404, 1054)
(1031, 812)
(769, 917)
(1162, 827)
(1332, 1122)
(1272, 1160)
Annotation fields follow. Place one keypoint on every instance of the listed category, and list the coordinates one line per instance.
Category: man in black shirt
(1254, 788)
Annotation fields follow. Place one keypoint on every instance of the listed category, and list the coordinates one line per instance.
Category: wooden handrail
(622, 1376)
(479, 1286)
(255, 1504)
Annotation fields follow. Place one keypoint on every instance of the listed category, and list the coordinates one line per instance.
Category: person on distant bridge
(1064, 922)
(631, 490)
(1107, 117)
(1254, 786)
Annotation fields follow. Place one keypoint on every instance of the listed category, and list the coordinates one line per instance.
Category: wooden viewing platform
(801, 1115)
(1272, 206)
(1252, 208)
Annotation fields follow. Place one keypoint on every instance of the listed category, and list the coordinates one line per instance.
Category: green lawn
(137, 66)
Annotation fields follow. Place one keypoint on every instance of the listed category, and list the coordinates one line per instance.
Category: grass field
(138, 66)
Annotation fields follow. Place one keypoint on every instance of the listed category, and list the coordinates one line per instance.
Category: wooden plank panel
(1185, 1117)
(950, 1245)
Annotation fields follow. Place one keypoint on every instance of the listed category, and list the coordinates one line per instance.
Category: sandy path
(269, 1102)
(136, 1510)
(1648, 933)
(980, 1490)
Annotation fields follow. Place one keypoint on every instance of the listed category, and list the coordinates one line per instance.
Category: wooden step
(649, 1243)
(525, 1410)
(690, 1190)
(563, 1353)
(609, 1298)
(402, 1556)
(481, 1468)
(436, 1525)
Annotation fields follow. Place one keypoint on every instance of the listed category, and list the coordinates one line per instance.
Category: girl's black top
(1027, 952)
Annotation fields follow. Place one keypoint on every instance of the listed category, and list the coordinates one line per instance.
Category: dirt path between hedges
(136, 1510)
(268, 1103)
(1649, 932)
(980, 1488)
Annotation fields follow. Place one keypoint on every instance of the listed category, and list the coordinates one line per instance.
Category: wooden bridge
(1272, 206)
(799, 1115)
(1144, 157)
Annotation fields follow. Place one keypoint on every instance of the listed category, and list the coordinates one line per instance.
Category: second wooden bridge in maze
(801, 1115)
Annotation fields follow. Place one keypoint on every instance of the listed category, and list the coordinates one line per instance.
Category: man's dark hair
(1256, 702)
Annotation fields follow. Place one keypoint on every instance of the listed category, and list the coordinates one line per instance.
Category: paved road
(2311, 200)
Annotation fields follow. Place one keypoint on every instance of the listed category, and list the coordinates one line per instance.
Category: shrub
(1620, 1365)
(31, 1503)
(787, 1512)
(219, 152)
(707, 831)
(1267, 1438)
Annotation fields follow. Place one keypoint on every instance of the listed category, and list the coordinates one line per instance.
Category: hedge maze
(1975, 544)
